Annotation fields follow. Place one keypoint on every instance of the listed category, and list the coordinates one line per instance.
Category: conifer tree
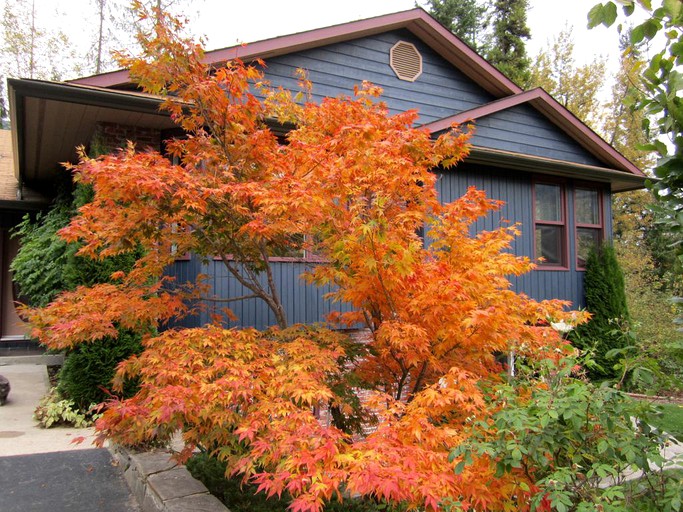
(606, 301)
(507, 47)
(467, 19)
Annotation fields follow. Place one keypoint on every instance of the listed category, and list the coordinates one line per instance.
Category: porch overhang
(50, 120)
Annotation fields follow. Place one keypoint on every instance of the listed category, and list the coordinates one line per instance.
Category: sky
(228, 22)
(241, 21)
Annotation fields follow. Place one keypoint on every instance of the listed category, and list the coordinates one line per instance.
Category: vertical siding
(184, 271)
(305, 303)
(515, 189)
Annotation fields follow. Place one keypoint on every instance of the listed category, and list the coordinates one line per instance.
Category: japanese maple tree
(355, 185)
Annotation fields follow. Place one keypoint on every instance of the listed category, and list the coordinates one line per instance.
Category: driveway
(42, 470)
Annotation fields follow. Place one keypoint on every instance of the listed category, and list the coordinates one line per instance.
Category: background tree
(29, 49)
(467, 19)
(495, 29)
(507, 49)
(644, 240)
(661, 104)
(575, 87)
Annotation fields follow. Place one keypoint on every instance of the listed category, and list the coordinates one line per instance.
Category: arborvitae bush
(45, 266)
(87, 372)
(606, 301)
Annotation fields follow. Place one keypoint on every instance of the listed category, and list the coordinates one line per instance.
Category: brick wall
(110, 136)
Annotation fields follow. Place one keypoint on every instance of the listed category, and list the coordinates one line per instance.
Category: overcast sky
(228, 22)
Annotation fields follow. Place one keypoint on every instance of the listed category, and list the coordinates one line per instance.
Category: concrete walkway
(42, 470)
(19, 433)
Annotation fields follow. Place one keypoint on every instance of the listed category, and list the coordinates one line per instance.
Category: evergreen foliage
(38, 268)
(606, 301)
(88, 371)
(510, 31)
(47, 265)
(467, 19)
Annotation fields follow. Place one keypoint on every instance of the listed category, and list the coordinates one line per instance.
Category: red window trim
(565, 238)
(285, 259)
(577, 225)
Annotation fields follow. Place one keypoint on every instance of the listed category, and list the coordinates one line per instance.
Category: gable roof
(416, 21)
(560, 116)
(115, 91)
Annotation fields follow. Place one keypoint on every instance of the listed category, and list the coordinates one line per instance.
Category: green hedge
(606, 301)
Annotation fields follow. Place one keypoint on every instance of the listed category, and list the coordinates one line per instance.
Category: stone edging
(160, 484)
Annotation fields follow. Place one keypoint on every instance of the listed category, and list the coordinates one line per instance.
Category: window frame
(600, 227)
(564, 235)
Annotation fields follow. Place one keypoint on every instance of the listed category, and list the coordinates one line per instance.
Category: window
(588, 218)
(550, 233)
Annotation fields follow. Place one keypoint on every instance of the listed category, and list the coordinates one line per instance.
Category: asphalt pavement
(43, 470)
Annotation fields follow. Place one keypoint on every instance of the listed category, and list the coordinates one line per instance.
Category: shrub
(606, 300)
(89, 369)
(38, 268)
(571, 443)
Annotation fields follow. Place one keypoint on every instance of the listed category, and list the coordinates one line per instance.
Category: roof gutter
(534, 164)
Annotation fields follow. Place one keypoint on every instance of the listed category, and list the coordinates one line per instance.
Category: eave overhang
(51, 119)
(619, 181)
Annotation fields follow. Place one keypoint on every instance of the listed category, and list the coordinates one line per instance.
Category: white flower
(562, 326)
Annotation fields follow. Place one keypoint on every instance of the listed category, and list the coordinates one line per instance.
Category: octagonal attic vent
(406, 61)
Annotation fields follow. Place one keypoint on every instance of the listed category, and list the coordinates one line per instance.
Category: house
(555, 175)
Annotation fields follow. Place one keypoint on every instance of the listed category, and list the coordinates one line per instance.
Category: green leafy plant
(608, 328)
(55, 410)
(38, 268)
(576, 442)
(88, 369)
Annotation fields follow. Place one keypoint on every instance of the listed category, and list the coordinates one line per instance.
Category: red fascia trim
(416, 20)
(111, 79)
(556, 113)
(565, 220)
(484, 110)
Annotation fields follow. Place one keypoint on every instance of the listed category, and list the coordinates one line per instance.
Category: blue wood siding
(441, 91)
(303, 303)
(334, 70)
(515, 189)
(522, 129)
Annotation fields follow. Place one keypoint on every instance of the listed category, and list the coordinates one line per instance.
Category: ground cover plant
(355, 185)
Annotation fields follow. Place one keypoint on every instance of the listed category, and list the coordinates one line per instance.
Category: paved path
(42, 470)
(75, 481)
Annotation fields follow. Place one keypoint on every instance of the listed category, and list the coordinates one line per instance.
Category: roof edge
(417, 20)
(535, 164)
(559, 115)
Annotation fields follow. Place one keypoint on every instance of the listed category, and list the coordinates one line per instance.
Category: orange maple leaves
(359, 184)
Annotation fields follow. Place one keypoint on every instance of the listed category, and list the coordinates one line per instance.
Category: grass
(670, 420)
